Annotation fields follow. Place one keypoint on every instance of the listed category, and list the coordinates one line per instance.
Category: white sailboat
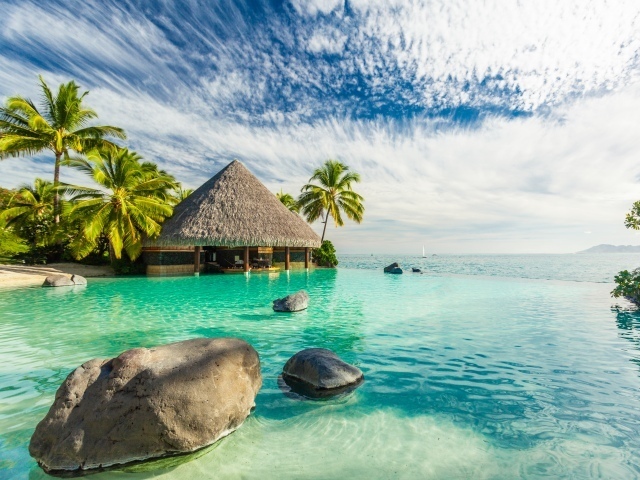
(423, 255)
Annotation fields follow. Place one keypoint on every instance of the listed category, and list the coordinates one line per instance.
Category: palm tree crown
(60, 125)
(130, 204)
(288, 201)
(332, 195)
(30, 208)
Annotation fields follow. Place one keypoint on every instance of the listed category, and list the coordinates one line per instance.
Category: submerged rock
(147, 404)
(416, 270)
(292, 303)
(58, 281)
(78, 280)
(393, 268)
(318, 372)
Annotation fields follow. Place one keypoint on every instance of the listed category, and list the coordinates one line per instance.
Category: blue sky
(477, 127)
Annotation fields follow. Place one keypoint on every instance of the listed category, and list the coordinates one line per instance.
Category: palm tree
(288, 201)
(60, 126)
(180, 194)
(131, 203)
(30, 210)
(332, 195)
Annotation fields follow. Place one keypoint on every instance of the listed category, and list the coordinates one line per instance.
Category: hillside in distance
(605, 248)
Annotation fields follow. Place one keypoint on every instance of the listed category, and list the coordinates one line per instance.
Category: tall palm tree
(60, 125)
(131, 203)
(30, 210)
(288, 201)
(332, 195)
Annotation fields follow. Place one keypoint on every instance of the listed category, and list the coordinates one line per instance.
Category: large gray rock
(317, 369)
(78, 280)
(146, 404)
(58, 281)
(292, 303)
(393, 268)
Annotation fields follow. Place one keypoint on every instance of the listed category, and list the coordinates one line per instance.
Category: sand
(32, 275)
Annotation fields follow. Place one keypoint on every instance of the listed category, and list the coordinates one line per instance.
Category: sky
(476, 126)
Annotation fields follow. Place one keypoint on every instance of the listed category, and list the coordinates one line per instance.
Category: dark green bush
(325, 256)
(124, 266)
(627, 285)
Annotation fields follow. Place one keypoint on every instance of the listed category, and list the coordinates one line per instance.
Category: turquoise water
(467, 376)
(575, 267)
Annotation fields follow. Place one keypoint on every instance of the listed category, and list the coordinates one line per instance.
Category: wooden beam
(306, 257)
(246, 259)
(287, 258)
(196, 260)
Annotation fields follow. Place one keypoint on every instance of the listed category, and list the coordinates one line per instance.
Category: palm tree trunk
(56, 182)
(326, 219)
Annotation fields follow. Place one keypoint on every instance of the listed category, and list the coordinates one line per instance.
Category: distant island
(604, 248)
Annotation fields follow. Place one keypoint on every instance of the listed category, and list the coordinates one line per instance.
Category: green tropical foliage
(331, 195)
(627, 285)
(288, 201)
(131, 203)
(60, 124)
(30, 211)
(632, 220)
(325, 256)
(180, 194)
(11, 244)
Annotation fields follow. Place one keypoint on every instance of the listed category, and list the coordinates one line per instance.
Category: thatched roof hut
(234, 209)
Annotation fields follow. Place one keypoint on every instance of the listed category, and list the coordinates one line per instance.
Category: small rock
(147, 404)
(292, 303)
(78, 280)
(393, 268)
(58, 281)
(318, 372)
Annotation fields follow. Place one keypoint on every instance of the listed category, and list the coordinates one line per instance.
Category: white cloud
(323, 41)
(313, 7)
(545, 49)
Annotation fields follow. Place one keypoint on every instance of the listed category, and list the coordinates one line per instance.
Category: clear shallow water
(466, 376)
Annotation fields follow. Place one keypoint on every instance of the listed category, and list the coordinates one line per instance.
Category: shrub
(628, 285)
(126, 266)
(325, 256)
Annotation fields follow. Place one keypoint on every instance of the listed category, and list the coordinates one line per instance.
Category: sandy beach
(33, 275)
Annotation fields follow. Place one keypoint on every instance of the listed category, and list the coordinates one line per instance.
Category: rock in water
(393, 268)
(318, 372)
(292, 303)
(147, 404)
(58, 281)
(78, 280)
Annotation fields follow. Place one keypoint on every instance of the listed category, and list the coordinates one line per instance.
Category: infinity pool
(466, 377)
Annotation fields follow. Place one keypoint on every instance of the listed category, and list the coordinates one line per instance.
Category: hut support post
(196, 261)
(245, 260)
(287, 259)
(306, 258)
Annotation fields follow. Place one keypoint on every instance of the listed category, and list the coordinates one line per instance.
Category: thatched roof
(235, 209)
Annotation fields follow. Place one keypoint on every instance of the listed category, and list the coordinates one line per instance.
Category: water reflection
(628, 321)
